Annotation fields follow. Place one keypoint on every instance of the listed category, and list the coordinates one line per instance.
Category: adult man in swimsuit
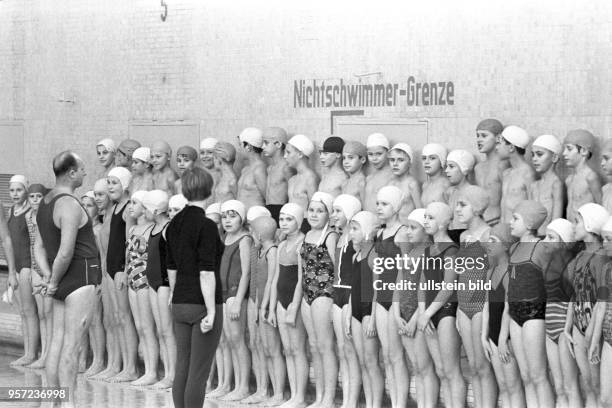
(303, 184)
(66, 252)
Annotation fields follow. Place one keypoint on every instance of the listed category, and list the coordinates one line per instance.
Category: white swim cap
(404, 147)
(418, 216)
(257, 211)
(440, 211)
(564, 228)
(234, 205)
(462, 158)
(156, 200)
(108, 144)
(209, 143)
(142, 154)
(349, 205)
(303, 144)
(594, 217)
(516, 136)
(101, 185)
(377, 139)
(139, 196)
(90, 194)
(368, 222)
(20, 179)
(325, 198)
(214, 208)
(177, 201)
(435, 149)
(295, 211)
(549, 142)
(392, 195)
(252, 136)
(122, 174)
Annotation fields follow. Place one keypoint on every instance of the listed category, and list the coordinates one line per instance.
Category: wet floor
(89, 394)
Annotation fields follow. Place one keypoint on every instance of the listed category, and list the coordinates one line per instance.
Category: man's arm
(7, 245)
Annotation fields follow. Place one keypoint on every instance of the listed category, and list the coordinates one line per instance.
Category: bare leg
(353, 367)
(324, 331)
(149, 339)
(605, 397)
(78, 314)
(109, 309)
(29, 316)
(307, 316)
(43, 308)
(97, 336)
(275, 362)
(237, 331)
(589, 375)
(259, 362)
(427, 385)
(337, 320)
(569, 369)
(167, 333)
(128, 338)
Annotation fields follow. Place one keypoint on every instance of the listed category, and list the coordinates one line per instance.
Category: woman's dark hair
(197, 184)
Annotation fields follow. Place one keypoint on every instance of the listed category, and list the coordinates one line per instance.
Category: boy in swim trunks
(380, 171)
(252, 181)
(489, 171)
(435, 187)
(303, 185)
(354, 157)
(400, 160)
(332, 174)
(164, 176)
(279, 172)
(520, 175)
(548, 189)
(226, 185)
(583, 186)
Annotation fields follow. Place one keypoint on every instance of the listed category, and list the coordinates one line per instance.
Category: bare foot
(40, 363)
(274, 401)
(163, 384)
(22, 361)
(294, 404)
(256, 398)
(219, 392)
(147, 379)
(316, 404)
(106, 374)
(235, 395)
(124, 376)
(94, 369)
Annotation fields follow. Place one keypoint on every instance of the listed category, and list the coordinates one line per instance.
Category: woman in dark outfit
(194, 253)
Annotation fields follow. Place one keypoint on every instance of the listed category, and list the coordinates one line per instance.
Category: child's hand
(233, 308)
(272, 319)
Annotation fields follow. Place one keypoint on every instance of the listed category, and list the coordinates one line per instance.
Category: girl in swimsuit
(438, 308)
(285, 300)
(156, 211)
(44, 304)
(495, 331)
(471, 205)
(587, 274)
(388, 204)
(405, 312)
(599, 351)
(316, 266)
(97, 334)
(136, 265)
(527, 303)
(235, 275)
(118, 181)
(109, 301)
(256, 293)
(559, 240)
(345, 206)
(18, 228)
(360, 323)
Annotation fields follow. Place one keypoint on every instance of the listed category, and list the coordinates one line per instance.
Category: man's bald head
(64, 162)
(162, 147)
